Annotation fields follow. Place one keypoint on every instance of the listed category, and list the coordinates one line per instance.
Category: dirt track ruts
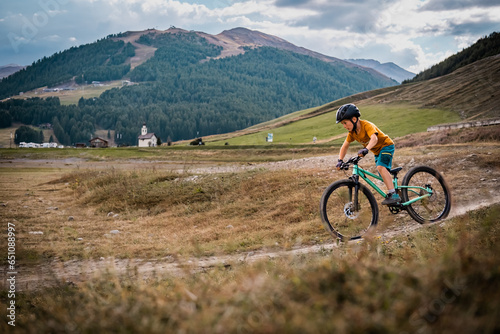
(77, 271)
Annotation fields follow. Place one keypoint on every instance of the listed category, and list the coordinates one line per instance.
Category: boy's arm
(343, 150)
(373, 141)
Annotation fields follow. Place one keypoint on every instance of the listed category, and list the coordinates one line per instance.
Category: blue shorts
(384, 158)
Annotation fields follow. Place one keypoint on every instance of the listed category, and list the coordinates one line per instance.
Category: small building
(98, 142)
(197, 141)
(147, 139)
(45, 126)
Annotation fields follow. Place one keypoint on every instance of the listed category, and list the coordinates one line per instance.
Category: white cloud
(265, 9)
(413, 34)
(52, 38)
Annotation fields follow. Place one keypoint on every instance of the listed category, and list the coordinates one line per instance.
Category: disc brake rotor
(349, 211)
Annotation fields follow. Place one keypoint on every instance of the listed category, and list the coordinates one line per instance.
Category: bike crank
(395, 209)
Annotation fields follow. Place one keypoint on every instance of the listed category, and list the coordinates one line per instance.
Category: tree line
(102, 60)
(28, 135)
(70, 125)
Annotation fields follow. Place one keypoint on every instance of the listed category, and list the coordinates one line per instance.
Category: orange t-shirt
(366, 129)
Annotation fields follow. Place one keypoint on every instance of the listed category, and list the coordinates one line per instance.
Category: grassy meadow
(404, 118)
(68, 97)
(439, 278)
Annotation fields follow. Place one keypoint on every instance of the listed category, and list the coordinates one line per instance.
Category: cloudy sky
(414, 34)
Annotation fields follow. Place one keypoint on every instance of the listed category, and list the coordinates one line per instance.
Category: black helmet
(347, 111)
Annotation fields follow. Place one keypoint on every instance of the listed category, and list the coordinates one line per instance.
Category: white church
(147, 139)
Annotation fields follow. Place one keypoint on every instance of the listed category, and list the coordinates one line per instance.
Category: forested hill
(183, 90)
(483, 48)
(100, 61)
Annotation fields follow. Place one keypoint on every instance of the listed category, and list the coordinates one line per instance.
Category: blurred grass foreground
(441, 279)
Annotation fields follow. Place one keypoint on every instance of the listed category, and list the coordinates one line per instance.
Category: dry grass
(440, 279)
(446, 137)
(161, 213)
(164, 213)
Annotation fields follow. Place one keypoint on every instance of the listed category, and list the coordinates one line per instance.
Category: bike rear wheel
(339, 215)
(432, 208)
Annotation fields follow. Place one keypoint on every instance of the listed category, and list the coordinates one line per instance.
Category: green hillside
(183, 92)
(396, 119)
(102, 60)
(468, 93)
(485, 47)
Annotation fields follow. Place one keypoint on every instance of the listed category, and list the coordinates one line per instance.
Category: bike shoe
(391, 199)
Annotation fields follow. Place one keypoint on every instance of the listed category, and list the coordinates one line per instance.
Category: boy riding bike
(370, 136)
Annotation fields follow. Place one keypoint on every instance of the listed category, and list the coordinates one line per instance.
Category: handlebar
(351, 161)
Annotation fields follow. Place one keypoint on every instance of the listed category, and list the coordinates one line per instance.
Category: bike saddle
(396, 170)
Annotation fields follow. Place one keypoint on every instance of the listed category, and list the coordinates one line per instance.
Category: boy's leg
(386, 177)
(384, 163)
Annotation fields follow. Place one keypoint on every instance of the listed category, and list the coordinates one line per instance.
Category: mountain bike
(349, 209)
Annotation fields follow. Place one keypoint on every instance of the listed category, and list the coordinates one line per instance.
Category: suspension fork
(355, 179)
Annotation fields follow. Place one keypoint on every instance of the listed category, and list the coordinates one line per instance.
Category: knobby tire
(338, 214)
(430, 209)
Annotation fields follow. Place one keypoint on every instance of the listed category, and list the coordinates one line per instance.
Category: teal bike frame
(420, 191)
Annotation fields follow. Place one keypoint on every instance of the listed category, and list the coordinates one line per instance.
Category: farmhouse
(147, 139)
(98, 142)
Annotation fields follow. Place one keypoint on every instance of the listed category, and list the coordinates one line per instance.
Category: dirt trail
(77, 271)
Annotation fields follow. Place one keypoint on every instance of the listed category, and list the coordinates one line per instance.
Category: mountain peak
(9, 69)
(389, 69)
(247, 37)
(235, 40)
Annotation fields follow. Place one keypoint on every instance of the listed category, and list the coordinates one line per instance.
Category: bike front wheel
(339, 214)
(436, 201)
